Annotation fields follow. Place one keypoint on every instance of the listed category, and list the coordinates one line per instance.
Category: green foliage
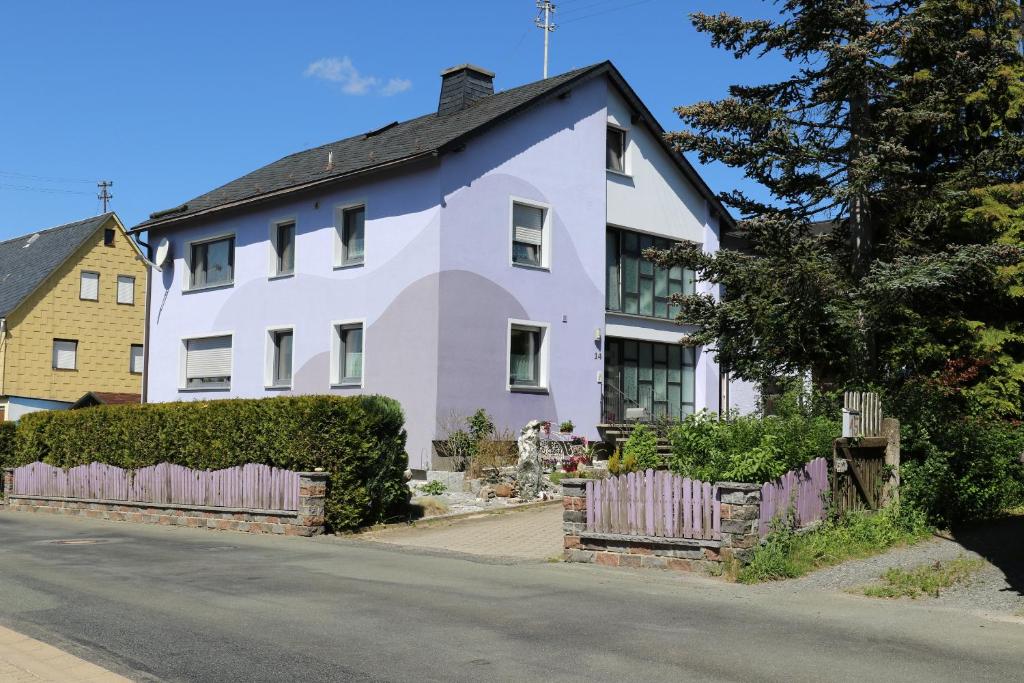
(566, 426)
(481, 425)
(749, 448)
(640, 452)
(7, 432)
(433, 488)
(621, 464)
(787, 554)
(358, 440)
(928, 579)
(906, 124)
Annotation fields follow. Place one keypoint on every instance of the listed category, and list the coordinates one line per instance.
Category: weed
(928, 579)
(786, 554)
(434, 488)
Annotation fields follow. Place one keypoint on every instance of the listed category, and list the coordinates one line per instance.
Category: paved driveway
(533, 533)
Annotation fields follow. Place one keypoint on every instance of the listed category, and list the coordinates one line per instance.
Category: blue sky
(172, 99)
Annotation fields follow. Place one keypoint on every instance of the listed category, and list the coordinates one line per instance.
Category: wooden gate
(859, 473)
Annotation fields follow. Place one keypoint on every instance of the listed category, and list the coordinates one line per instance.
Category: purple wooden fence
(802, 491)
(653, 503)
(247, 486)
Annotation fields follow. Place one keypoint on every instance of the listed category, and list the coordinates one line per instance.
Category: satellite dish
(163, 251)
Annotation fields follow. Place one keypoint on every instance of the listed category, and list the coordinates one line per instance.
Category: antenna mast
(104, 195)
(545, 8)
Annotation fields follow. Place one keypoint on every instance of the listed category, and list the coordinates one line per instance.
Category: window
(529, 235)
(207, 363)
(135, 359)
(656, 377)
(125, 289)
(212, 262)
(89, 288)
(280, 358)
(635, 285)
(351, 222)
(108, 237)
(348, 356)
(283, 242)
(65, 354)
(616, 153)
(526, 356)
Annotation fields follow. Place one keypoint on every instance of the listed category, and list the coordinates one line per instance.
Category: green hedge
(7, 431)
(359, 440)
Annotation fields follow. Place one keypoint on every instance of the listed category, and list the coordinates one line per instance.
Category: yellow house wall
(105, 330)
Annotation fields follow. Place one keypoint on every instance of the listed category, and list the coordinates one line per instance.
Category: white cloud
(343, 72)
(395, 86)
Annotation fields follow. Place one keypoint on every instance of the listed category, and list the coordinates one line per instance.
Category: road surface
(156, 603)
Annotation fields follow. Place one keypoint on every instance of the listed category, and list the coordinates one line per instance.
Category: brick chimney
(463, 85)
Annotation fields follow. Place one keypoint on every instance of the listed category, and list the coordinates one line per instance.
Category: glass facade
(656, 377)
(635, 285)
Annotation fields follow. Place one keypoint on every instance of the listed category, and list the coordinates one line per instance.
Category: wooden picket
(801, 492)
(653, 503)
(250, 486)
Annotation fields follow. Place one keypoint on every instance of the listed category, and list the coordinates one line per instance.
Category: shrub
(434, 488)
(7, 432)
(481, 426)
(641, 450)
(358, 440)
(749, 448)
(566, 427)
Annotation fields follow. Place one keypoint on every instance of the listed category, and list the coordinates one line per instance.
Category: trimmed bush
(7, 431)
(358, 440)
(641, 450)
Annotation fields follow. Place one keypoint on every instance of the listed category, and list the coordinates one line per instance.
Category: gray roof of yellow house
(28, 260)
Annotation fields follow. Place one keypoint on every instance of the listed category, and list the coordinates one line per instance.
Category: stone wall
(308, 520)
(740, 506)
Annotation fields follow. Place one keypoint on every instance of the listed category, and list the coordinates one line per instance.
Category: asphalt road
(157, 603)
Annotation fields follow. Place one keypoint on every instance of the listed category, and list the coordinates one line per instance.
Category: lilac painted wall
(554, 157)
(395, 292)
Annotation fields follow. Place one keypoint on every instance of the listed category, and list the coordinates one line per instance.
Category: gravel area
(997, 589)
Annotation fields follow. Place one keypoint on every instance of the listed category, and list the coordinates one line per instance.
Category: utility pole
(104, 195)
(545, 8)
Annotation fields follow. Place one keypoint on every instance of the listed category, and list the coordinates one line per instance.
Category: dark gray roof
(28, 260)
(404, 142)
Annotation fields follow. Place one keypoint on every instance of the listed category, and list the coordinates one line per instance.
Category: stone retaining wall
(308, 520)
(740, 506)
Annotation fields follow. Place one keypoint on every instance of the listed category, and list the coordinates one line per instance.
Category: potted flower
(566, 427)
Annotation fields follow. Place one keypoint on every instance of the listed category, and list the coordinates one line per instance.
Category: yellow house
(72, 316)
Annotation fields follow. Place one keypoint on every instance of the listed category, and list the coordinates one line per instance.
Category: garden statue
(530, 471)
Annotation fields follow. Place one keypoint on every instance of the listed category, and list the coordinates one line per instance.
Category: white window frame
(117, 291)
(142, 359)
(53, 354)
(339, 231)
(274, 273)
(186, 283)
(183, 358)
(336, 379)
(545, 239)
(81, 285)
(626, 168)
(543, 384)
(270, 357)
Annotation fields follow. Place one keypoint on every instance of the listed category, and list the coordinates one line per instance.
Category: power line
(45, 190)
(588, 7)
(607, 11)
(42, 178)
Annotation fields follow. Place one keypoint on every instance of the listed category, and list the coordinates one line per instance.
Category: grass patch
(786, 554)
(429, 507)
(929, 579)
